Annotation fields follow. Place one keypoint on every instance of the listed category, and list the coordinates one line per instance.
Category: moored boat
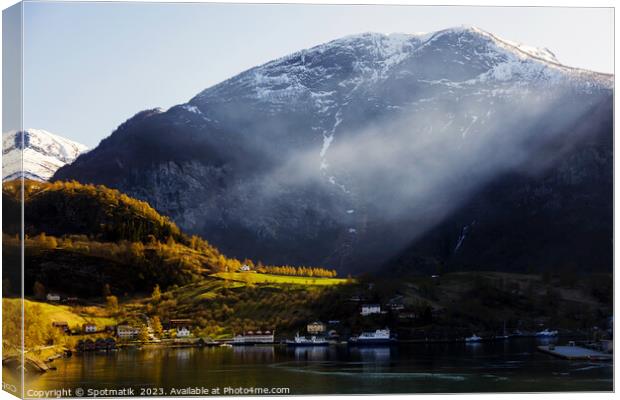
(378, 337)
(546, 333)
(304, 341)
(473, 339)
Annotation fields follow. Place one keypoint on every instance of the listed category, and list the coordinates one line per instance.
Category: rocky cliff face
(358, 151)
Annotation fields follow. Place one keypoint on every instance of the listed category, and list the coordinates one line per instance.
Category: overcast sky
(90, 66)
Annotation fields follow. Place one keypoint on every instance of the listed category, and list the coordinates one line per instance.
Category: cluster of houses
(100, 344)
(394, 305)
(321, 329)
(179, 328)
(267, 336)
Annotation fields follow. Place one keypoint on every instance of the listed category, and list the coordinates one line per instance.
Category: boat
(378, 337)
(546, 333)
(473, 339)
(304, 341)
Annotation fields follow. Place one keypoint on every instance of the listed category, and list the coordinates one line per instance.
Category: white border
(535, 3)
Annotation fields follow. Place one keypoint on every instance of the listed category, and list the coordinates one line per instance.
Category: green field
(251, 277)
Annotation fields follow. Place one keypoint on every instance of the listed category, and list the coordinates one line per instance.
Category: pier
(575, 353)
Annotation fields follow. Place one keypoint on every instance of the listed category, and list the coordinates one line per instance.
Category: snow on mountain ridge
(326, 77)
(43, 153)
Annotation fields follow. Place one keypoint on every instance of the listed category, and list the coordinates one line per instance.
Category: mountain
(383, 151)
(43, 153)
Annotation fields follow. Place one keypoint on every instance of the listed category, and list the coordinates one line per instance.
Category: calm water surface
(513, 365)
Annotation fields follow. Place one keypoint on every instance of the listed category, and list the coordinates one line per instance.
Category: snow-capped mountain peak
(43, 153)
(364, 59)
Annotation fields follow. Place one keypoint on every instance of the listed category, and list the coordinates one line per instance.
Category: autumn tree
(156, 296)
(112, 304)
(143, 334)
(158, 329)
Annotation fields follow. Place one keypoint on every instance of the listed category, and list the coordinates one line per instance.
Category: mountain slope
(80, 237)
(349, 153)
(43, 153)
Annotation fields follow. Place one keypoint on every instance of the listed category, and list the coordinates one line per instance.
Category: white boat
(473, 339)
(304, 341)
(546, 333)
(380, 336)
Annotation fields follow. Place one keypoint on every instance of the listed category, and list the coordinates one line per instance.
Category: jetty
(26, 363)
(575, 353)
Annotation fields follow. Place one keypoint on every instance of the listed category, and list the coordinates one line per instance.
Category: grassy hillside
(80, 238)
(453, 305)
(219, 307)
(38, 319)
(249, 277)
(486, 301)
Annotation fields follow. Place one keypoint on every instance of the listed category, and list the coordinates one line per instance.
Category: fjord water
(512, 366)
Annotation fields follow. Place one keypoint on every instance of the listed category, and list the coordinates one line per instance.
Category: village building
(245, 268)
(53, 297)
(62, 325)
(183, 331)
(127, 332)
(369, 309)
(181, 326)
(256, 337)
(89, 328)
(396, 303)
(316, 328)
(407, 315)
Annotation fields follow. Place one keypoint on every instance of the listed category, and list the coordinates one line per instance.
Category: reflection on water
(260, 354)
(512, 365)
(311, 353)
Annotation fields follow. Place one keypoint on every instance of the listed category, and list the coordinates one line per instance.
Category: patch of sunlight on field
(251, 277)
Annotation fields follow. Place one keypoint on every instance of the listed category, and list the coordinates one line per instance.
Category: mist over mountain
(454, 149)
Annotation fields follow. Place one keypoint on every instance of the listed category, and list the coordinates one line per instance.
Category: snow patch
(36, 154)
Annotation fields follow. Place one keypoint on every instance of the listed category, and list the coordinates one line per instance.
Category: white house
(53, 297)
(89, 328)
(245, 268)
(127, 332)
(183, 331)
(369, 309)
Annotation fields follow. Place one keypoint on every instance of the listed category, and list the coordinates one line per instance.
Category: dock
(575, 353)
